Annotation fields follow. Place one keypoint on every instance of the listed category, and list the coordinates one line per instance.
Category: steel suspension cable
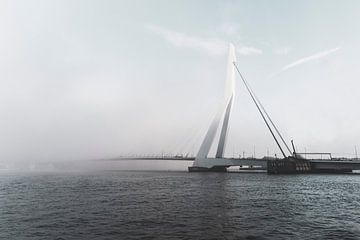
(272, 123)
(259, 109)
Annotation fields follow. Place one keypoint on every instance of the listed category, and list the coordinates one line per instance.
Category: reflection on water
(178, 205)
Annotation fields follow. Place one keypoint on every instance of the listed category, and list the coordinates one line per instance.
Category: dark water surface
(178, 205)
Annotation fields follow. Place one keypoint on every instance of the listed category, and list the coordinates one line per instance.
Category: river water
(178, 205)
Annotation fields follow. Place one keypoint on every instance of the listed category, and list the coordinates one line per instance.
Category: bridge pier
(221, 164)
(205, 169)
(289, 165)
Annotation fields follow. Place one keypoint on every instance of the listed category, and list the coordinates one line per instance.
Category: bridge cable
(272, 123)
(259, 109)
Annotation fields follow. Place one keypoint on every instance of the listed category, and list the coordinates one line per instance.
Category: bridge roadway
(318, 165)
(216, 161)
(335, 165)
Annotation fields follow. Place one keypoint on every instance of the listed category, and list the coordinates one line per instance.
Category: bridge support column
(205, 169)
(209, 165)
(289, 165)
(202, 163)
(221, 164)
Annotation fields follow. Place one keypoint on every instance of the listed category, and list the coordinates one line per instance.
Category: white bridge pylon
(202, 162)
(222, 113)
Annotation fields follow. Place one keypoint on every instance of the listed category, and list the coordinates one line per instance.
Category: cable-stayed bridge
(291, 161)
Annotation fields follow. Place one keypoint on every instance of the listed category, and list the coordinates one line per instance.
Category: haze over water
(178, 205)
(89, 79)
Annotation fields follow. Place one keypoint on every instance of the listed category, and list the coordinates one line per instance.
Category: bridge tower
(202, 162)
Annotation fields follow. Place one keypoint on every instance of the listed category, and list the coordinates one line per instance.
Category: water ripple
(178, 205)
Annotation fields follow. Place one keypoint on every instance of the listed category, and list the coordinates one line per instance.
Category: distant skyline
(96, 79)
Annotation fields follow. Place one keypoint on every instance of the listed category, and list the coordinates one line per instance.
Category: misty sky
(97, 79)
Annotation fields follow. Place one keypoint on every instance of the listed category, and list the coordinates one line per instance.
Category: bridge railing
(316, 155)
(326, 156)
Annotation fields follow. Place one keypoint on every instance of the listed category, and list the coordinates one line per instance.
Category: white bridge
(291, 160)
(203, 163)
(219, 163)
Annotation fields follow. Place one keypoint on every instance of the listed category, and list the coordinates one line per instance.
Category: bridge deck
(318, 165)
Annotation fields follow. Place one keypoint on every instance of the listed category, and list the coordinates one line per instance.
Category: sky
(84, 80)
